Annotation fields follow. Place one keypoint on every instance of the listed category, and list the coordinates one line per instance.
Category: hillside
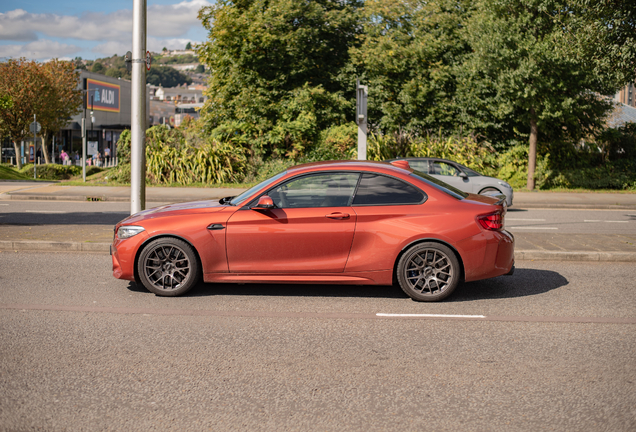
(161, 73)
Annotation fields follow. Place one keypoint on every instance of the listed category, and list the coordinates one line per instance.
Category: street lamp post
(138, 110)
(84, 138)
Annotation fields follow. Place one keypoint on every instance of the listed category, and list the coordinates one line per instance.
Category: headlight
(128, 231)
(504, 184)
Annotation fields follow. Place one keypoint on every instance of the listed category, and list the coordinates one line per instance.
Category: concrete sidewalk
(96, 238)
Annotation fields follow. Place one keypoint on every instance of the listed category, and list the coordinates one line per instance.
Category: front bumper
(124, 253)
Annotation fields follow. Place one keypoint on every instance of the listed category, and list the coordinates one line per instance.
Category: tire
(428, 272)
(168, 267)
(490, 191)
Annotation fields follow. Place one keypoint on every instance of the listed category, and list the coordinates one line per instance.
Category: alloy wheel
(429, 272)
(167, 267)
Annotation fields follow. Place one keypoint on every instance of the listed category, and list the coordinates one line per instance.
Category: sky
(65, 29)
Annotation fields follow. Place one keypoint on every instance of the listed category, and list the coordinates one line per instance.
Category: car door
(451, 174)
(310, 229)
(384, 206)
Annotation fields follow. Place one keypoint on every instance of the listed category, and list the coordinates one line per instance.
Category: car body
(461, 177)
(338, 222)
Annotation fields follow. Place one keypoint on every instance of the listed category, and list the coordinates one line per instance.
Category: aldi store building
(108, 99)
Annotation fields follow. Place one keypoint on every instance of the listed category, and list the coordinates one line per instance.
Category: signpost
(34, 128)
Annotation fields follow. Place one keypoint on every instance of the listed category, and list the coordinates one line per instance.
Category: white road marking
(8, 204)
(532, 227)
(429, 315)
(605, 221)
(538, 220)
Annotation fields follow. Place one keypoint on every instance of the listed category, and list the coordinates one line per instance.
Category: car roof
(423, 159)
(347, 165)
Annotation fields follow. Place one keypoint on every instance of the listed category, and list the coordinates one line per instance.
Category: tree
(200, 69)
(22, 81)
(47, 90)
(6, 102)
(62, 100)
(97, 67)
(79, 64)
(278, 69)
(166, 76)
(407, 57)
(518, 83)
(188, 46)
(604, 34)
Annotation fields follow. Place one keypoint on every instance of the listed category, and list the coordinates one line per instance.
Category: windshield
(440, 185)
(469, 172)
(242, 197)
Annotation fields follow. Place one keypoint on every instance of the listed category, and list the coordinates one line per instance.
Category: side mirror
(463, 175)
(264, 203)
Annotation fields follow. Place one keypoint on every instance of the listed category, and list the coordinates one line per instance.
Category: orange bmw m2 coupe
(338, 222)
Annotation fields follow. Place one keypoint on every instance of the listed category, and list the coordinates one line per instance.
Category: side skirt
(383, 277)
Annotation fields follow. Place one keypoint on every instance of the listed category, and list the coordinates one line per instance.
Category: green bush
(183, 156)
(336, 143)
(53, 171)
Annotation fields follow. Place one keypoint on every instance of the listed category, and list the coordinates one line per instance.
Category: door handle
(337, 215)
(213, 227)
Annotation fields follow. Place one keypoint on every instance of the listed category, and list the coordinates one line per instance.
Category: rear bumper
(494, 257)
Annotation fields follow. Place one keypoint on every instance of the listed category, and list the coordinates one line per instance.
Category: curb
(20, 197)
(520, 255)
(531, 255)
(47, 246)
(573, 206)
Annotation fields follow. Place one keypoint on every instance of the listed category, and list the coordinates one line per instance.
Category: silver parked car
(463, 178)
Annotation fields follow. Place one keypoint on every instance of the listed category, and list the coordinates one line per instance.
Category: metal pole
(35, 146)
(138, 110)
(361, 118)
(84, 147)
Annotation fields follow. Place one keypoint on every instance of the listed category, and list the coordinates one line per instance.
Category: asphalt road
(79, 350)
(559, 221)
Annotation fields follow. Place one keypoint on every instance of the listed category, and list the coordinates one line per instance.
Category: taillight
(491, 221)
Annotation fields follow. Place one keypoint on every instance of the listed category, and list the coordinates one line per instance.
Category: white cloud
(163, 21)
(40, 49)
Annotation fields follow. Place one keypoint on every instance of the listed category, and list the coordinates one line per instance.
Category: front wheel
(490, 191)
(428, 272)
(168, 267)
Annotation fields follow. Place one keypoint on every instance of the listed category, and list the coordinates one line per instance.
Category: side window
(375, 189)
(319, 190)
(421, 166)
(442, 168)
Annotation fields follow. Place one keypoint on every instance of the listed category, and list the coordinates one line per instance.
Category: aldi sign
(105, 96)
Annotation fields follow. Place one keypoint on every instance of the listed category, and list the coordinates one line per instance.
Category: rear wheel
(428, 272)
(168, 267)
